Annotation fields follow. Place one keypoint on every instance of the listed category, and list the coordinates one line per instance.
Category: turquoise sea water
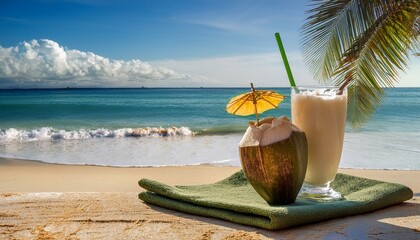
(150, 127)
(201, 110)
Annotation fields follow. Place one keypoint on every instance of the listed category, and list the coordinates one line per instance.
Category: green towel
(235, 200)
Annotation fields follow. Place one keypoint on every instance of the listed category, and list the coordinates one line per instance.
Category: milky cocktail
(321, 113)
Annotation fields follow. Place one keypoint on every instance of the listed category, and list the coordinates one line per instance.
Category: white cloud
(264, 70)
(250, 18)
(45, 63)
(252, 27)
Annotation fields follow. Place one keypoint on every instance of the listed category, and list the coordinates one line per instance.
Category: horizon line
(86, 88)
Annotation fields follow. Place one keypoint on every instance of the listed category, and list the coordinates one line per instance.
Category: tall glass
(321, 113)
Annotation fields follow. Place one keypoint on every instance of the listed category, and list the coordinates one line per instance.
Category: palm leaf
(362, 43)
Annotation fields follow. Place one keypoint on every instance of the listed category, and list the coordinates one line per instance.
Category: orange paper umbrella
(254, 102)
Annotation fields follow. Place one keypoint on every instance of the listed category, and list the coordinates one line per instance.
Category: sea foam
(49, 133)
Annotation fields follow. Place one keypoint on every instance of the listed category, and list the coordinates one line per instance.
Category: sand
(50, 201)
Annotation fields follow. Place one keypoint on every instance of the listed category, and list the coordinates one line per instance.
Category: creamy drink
(321, 113)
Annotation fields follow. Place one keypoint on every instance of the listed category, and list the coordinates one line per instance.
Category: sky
(154, 43)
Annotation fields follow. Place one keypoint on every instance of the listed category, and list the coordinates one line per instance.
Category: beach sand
(51, 201)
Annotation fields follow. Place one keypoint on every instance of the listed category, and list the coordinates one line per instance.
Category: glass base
(319, 193)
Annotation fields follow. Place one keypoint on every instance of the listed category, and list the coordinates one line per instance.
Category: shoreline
(21, 175)
(4, 160)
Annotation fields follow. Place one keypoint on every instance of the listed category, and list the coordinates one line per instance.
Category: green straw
(285, 61)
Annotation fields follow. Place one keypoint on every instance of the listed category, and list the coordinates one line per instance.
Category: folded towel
(235, 200)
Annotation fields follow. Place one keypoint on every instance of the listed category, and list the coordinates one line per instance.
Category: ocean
(179, 126)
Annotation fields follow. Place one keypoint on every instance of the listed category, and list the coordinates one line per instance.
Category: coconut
(274, 156)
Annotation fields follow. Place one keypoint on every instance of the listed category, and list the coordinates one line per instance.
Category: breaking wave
(49, 133)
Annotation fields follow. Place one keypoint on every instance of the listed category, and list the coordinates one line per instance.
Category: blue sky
(155, 43)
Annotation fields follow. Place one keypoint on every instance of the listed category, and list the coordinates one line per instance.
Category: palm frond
(362, 43)
(417, 30)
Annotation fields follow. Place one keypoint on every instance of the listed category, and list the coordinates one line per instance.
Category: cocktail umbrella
(254, 102)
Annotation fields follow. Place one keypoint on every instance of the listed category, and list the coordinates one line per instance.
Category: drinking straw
(285, 61)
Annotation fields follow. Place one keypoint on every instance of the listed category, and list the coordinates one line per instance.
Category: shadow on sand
(379, 224)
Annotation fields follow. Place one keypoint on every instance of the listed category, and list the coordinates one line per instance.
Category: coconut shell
(277, 171)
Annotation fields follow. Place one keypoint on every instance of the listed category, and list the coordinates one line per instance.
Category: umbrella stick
(256, 114)
(254, 101)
